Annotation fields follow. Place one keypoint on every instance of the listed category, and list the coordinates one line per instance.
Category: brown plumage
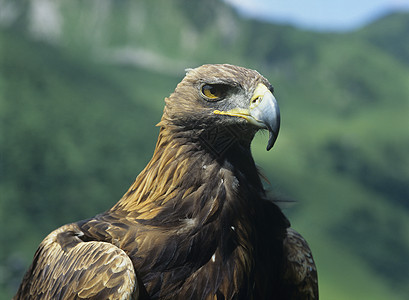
(196, 224)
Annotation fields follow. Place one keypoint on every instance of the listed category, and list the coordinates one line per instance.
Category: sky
(325, 15)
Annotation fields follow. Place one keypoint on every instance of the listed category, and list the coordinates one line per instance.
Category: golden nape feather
(196, 223)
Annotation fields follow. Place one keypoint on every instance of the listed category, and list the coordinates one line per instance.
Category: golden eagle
(196, 223)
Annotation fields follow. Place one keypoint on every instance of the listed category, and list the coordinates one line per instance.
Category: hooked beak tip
(271, 140)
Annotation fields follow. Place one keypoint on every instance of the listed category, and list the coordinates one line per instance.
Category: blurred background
(82, 85)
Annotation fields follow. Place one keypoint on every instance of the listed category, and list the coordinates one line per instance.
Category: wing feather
(65, 267)
(300, 274)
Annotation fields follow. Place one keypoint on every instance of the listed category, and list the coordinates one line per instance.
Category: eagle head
(216, 97)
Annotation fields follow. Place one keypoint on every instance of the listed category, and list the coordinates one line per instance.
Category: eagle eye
(214, 91)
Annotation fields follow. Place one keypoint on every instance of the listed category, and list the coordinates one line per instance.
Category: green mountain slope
(78, 119)
(389, 34)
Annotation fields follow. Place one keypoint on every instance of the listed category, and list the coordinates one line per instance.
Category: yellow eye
(214, 91)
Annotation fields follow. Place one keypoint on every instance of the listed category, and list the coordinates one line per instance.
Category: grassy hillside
(388, 34)
(78, 124)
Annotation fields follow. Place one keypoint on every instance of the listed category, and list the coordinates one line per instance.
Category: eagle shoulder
(299, 271)
(65, 267)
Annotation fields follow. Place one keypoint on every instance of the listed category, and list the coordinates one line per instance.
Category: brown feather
(300, 273)
(64, 267)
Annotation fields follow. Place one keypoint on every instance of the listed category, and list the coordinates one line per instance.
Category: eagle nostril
(255, 102)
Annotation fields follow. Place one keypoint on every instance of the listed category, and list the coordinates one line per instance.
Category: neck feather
(188, 177)
(207, 202)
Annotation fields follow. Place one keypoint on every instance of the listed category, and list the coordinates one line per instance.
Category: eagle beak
(264, 111)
